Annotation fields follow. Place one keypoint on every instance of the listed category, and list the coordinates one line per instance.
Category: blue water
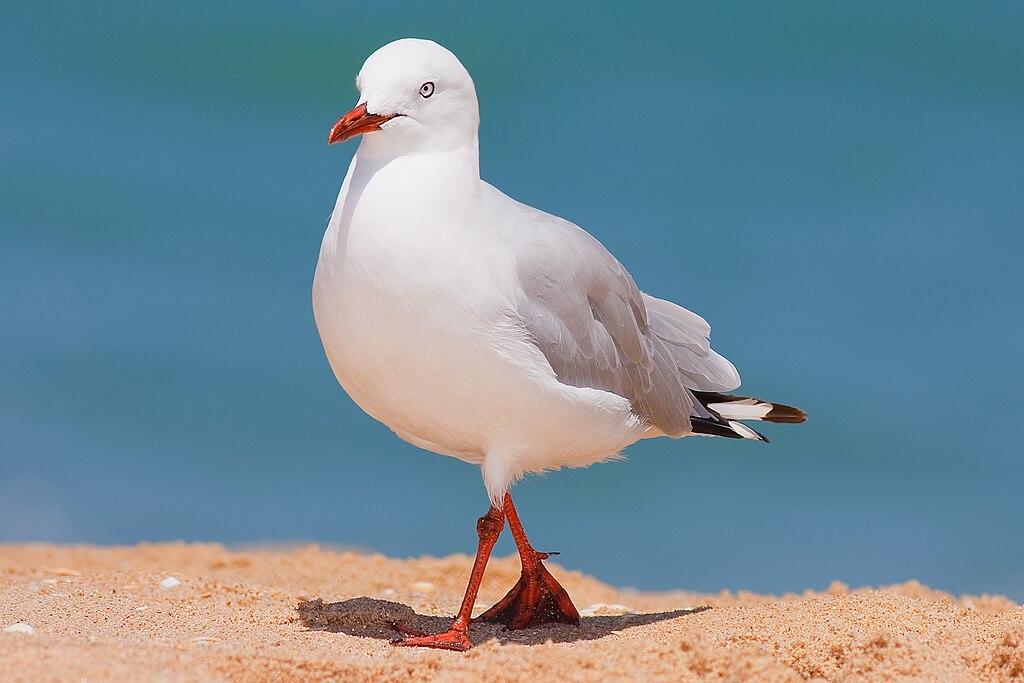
(837, 187)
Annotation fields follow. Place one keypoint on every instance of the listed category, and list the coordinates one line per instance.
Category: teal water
(837, 187)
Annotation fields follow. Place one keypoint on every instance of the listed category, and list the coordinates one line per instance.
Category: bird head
(413, 95)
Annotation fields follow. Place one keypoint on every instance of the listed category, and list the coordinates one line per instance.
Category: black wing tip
(702, 425)
(780, 412)
(786, 414)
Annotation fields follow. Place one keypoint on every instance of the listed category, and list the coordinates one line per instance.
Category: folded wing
(597, 330)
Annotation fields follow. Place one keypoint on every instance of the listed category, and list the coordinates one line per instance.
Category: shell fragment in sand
(603, 610)
(422, 587)
(204, 640)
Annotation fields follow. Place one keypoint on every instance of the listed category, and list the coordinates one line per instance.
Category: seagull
(484, 329)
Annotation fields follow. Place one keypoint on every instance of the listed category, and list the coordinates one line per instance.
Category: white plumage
(478, 327)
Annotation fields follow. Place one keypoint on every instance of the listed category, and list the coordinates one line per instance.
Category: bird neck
(445, 168)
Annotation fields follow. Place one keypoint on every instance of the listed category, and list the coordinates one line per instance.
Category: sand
(198, 612)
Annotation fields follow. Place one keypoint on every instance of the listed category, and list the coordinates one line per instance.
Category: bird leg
(537, 598)
(456, 637)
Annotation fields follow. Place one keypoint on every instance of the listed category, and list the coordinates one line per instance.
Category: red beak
(357, 122)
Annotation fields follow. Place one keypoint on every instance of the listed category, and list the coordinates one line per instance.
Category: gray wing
(597, 330)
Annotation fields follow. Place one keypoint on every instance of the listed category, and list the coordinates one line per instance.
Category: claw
(406, 631)
(452, 639)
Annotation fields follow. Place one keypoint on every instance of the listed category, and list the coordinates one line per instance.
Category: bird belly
(443, 362)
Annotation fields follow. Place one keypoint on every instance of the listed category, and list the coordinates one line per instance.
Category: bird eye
(427, 89)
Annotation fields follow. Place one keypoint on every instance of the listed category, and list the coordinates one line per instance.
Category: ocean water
(837, 187)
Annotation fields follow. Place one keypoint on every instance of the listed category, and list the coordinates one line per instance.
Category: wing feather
(597, 330)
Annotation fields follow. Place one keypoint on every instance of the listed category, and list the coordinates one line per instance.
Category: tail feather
(722, 413)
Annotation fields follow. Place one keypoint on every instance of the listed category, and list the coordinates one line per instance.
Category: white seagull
(481, 328)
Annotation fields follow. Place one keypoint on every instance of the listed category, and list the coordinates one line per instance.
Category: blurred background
(837, 187)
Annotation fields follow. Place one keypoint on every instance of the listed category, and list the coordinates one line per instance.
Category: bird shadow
(372, 618)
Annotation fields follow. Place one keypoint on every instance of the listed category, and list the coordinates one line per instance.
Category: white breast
(417, 316)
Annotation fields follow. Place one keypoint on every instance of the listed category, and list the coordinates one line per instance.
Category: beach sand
(199, 612)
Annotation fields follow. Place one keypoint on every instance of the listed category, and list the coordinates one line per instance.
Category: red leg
(488, 528)
(537, 598)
